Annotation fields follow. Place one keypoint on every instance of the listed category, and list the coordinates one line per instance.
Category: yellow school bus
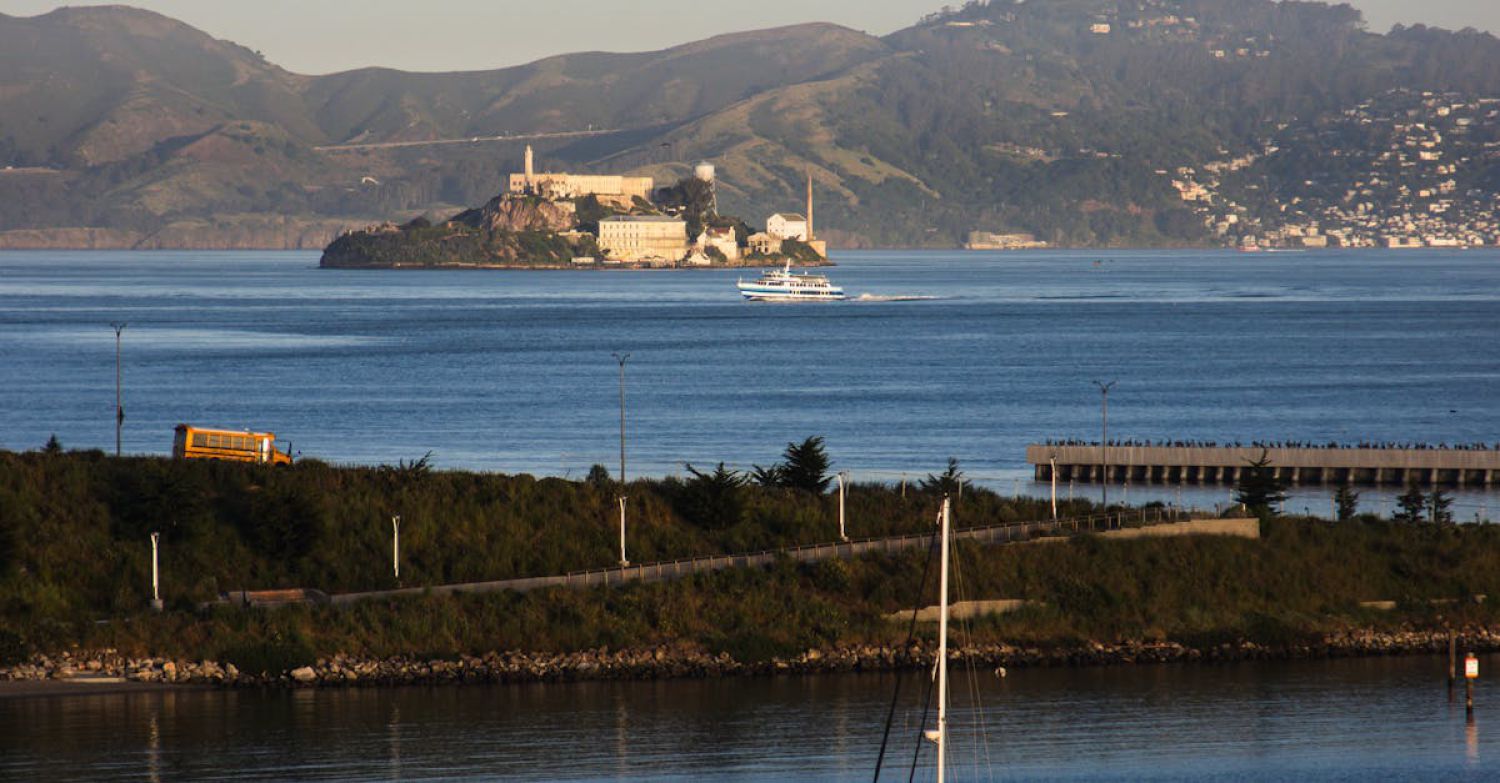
(200, 443)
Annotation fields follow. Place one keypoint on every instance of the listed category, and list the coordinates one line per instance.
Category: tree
(1347, 502)
(1440, 502)
(947, 482)
(1261, 492)
(713, 500)
(774, 476)
(805, 466)
(1411, 505)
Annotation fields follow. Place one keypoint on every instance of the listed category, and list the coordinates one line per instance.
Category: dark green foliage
(1301, 578)
(945, 483)
(285, 521)
(713, 500)
(53, 446)
(1261, 492)
(159, 497)
(1411, 505)
(1440, 503)
(805, 466)
(274, 655)
(598, 477)
(695, 200)
(773, 476)
(590, 212)
(452, 245)
(1346, 502)
(13, 648)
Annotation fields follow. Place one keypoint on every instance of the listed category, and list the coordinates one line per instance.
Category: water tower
(704, 171)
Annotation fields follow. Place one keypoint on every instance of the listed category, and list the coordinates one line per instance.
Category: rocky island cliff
(561, 221)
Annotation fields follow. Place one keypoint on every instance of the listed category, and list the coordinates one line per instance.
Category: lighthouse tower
(530, 165)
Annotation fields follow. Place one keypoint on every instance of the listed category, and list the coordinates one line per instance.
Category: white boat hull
(755, 294)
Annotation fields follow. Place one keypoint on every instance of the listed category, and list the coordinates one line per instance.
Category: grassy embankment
(73, 552)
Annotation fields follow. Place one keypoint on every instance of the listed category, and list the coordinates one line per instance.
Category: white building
(721, 239)
(785, 225)
(643, 237)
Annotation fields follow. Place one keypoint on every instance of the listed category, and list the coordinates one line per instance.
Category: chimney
(809, 206)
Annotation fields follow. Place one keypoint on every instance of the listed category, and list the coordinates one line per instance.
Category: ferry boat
(784, 285)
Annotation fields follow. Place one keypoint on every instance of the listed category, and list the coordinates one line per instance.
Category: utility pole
(119, 397)
(1104, 439)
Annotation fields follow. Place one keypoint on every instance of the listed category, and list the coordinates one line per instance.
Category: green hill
(1068, 119)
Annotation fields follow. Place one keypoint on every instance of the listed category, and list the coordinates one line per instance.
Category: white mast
(940, 735)
(942, 739)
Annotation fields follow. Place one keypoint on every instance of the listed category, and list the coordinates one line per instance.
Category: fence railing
(674, 569)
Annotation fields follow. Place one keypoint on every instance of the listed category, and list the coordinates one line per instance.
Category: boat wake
(894, 298)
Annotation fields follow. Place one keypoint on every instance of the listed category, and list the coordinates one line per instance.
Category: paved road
(469, 140)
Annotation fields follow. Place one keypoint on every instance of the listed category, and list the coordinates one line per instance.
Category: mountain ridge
(1068, 120)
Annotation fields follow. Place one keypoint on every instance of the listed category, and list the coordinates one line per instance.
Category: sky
(323, 36)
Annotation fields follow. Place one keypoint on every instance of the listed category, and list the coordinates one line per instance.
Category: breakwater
(686, 661)
(1295, 466)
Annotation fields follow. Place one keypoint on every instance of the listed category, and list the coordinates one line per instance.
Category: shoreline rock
(684, 662)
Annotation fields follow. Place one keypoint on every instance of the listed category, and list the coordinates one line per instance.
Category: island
(578, 221)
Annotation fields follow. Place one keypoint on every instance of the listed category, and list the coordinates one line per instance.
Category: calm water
(1380, 719)
(963, 354)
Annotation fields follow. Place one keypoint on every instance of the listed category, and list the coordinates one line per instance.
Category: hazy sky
(320, 36)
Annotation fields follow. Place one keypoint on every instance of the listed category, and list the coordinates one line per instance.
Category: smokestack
(809, 206)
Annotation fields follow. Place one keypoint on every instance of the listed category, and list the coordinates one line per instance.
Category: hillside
(1075, 120)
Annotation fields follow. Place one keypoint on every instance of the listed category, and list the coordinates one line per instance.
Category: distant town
(1409, 181)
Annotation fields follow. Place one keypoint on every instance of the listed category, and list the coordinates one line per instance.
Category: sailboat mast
(942, 718)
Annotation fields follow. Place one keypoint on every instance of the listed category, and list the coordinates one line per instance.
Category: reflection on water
(1384, 719)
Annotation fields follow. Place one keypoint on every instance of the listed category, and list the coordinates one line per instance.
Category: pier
(1429, 467)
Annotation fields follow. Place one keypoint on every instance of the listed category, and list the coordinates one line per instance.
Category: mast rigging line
(911, 632)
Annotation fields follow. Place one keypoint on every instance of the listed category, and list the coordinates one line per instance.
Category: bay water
(1385, 719)
(937, 355)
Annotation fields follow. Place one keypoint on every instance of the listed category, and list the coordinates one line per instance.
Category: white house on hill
(785, 225)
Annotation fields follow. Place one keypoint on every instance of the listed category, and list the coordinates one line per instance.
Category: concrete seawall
(1224, 465)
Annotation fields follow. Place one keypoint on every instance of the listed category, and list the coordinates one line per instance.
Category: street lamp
(621, 357)
(396, 546)
(842, 477)
(1052, 474)
(119, 398)
(156, 604)
(1104, 438)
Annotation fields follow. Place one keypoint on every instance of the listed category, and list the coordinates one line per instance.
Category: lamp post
(1104, 439)
(119, 397)
(396, 546)
(1052, 474)
(842, 475)
(624, 561)
(621, 357)
(156, 604)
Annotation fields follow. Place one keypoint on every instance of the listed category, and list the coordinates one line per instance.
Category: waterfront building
(763, 243)
(786, 225)
(643, 237)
